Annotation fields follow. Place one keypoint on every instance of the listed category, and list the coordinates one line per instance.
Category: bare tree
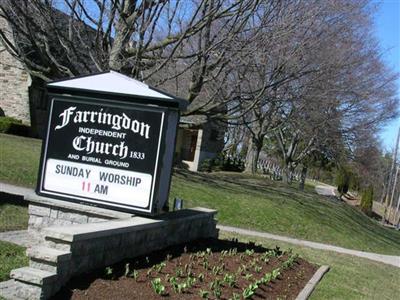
(341, 89)
(143, 39)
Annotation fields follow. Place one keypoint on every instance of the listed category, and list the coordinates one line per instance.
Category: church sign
(108, 152)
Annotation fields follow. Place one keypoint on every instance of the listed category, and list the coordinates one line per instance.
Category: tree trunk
(253, 152)
(392, 170)
(303, 178)
(288, 172)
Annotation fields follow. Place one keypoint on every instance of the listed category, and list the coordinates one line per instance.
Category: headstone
(110, 143)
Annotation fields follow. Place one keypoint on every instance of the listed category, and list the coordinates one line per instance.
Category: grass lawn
(264, 205)
(19, 160)
(251, 202)
(11, 257)
(348, 278)
(13, 217)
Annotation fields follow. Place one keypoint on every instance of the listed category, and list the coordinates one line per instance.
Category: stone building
(14, 83)
(198, 139)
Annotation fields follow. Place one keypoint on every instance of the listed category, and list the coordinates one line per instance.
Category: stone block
(60, 222)
(36, 221)
(48, 254)
(54, 213)
(45, 266)
(34, 276)
(96, 220)
(13, 289)
(72, 217)
(57, 244)
(37, 210)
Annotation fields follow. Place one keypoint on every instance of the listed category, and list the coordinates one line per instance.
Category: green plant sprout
(204, 294)
(158, 287)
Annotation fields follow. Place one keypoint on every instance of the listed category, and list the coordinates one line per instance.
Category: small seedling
(235, 296)
(159, 267)
(216, 269)
(186, 268)
(181, 287)
(257, 269)
(178, 272)
(217, 293)
(266, 278)
(174, 284)
(108, 272)
(148, 273)
(249, 252)
(215, 284)
(248, 276)
(247, 293)
(158, 287)
(204, 294)
(205, 265)
(230, 279)
(190, 281)
(275, 273)
(201, 277)
(134, 274)
(126, 270)
(250, 291)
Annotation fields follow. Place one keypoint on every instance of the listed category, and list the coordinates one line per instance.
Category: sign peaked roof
(110, 82)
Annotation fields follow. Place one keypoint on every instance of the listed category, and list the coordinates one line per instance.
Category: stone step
(16, 290)
(34, 276)
(48, 254)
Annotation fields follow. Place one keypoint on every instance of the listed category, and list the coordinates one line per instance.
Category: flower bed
(208, 269)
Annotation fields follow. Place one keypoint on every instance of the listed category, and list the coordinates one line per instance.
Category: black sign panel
(103, 153)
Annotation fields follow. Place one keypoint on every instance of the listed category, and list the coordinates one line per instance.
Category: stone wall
(14, 83)
(45, 212)
(67, 251)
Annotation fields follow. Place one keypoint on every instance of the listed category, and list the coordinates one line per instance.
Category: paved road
(325, 190)
(386, 259)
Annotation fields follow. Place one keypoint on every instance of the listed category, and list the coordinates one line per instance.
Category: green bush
(367, 199)
(222, 163)
(11, 125)
(6, 122)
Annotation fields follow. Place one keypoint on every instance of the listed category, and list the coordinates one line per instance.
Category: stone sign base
(45, 212)
(84, 241)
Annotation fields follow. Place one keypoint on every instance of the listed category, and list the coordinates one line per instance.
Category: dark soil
(217, 269)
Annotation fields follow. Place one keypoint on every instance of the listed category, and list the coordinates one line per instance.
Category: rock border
(312, 283)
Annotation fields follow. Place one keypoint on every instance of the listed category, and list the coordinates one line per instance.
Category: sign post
(109, 146)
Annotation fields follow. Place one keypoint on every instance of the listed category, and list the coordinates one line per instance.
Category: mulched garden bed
(208, 269)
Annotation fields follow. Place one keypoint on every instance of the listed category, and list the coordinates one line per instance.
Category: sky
(387, 31)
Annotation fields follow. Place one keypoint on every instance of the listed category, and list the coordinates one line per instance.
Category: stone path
(386, 259)
(14, 190)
